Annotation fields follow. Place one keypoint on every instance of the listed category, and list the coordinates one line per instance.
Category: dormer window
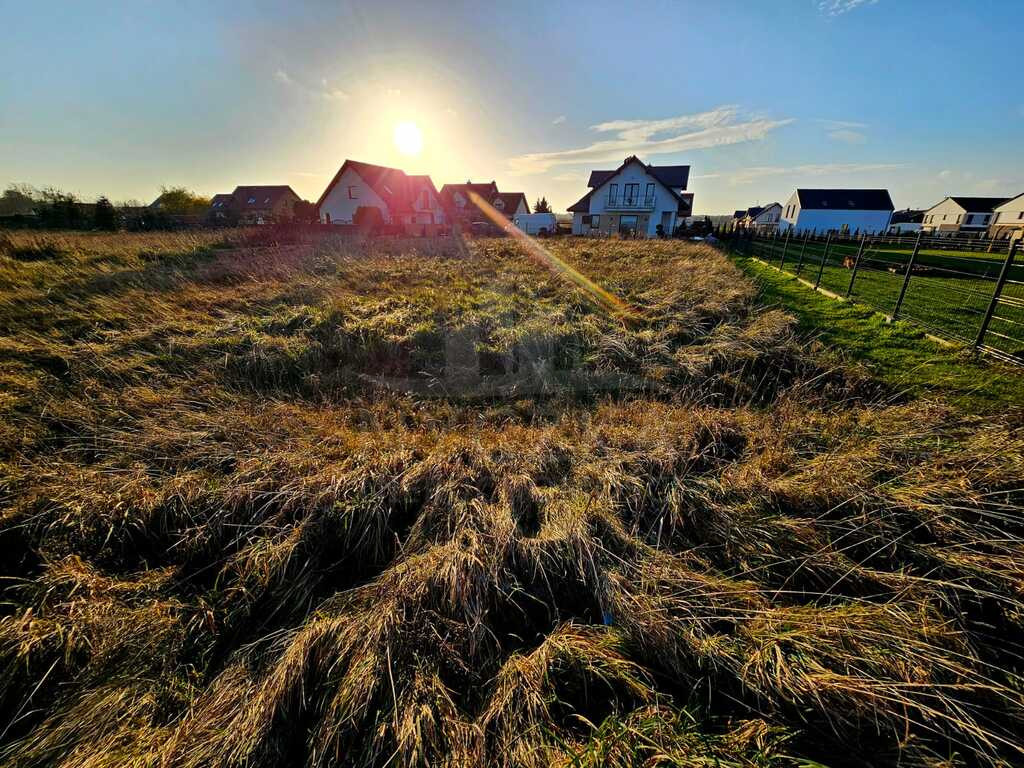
(499, 204)
(252, 200)
(267, 201)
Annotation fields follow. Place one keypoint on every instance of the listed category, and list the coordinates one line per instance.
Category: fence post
(800, 263)
(824, 256)
(906, 277)
(856, 264)
(785, 245)
(1004, 272)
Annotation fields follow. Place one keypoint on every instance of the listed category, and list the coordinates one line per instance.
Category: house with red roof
(406, 200)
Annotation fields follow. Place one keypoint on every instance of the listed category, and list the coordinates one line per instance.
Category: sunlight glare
(408, 138)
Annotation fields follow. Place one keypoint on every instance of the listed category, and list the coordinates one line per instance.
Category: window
(595, 221)
(628, 225)
(1020, 215)
(353, 193)
(985, 219)
(649, 193)
(613, 191)
(252, 200)
(499, 204)
(970, 219)
(266, 201)
(631, 194)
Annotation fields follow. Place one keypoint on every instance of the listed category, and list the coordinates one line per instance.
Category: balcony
(629, 203)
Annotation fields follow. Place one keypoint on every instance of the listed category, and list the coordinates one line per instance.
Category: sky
(757, 97)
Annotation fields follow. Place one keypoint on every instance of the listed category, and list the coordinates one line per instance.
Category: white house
(961, 215)
(511, 204)
(905, 222)
(402, 199)
(633, 200)
(762, 219)
(1008, 218)
(837, 210)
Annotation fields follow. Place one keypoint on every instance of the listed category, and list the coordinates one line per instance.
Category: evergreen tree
(104, 217)
(542, 206)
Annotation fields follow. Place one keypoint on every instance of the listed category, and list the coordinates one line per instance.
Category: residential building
(905, 222)
(634, 200)
(761, 219)
(458, 202)
(509, 204)
(1008, 219)
(837, 210)
(961, 215)
(253, 205)
(404, 200)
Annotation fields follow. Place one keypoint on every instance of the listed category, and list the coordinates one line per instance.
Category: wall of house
(790, 212)
(943, 217)
(1010, 218)
(648, 220)
(812, 220)
(342, 209)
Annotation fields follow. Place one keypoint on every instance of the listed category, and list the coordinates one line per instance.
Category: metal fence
(965, 289)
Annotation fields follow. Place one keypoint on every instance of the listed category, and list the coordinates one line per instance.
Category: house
(634, 200)
(404, 200)
(261, 204)
(1008, 219)
(511, 204)
(905, 222)
(961, 215)
(459, 205)
(837, 210)
(761, 219)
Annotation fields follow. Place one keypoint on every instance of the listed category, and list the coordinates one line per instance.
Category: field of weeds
(302, 501)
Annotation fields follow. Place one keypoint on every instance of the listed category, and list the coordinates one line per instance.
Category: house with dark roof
(763, 219)
(1008, 219)
(634, 200)
(509, 204)
(961, 215)
(458, 201)
(905, 222)
(260, 204)
(405, 200)
(837, 210)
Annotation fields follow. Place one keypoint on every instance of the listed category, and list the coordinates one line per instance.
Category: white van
(536, 223)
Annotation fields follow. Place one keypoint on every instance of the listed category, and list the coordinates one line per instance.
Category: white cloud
(848, 136)
(839, 7)
(718, 127)
(323, 91)
(945, 174)
(558, 120)
(749, 175)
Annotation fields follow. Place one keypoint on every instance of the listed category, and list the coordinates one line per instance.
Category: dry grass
(284, 500)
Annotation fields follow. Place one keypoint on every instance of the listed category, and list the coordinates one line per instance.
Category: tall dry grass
(330, 502)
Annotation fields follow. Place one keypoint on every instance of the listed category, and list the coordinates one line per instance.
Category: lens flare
(408, 139)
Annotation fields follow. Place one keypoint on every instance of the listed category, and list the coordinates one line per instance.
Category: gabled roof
(1011, 200)
(979, 204)
(672, 176)
(907, 216)
(397, 189)
(262, 197)
(511, 201)
(221, 201)
(845, 199)
(739, 214)
(671, 173)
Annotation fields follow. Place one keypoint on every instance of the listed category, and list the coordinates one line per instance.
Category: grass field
(275, 499)
(949, 298)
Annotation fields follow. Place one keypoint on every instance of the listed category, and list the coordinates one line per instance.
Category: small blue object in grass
(606, 617)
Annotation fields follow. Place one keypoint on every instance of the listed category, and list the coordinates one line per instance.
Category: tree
(542, 206)
(59, 210)
(305, 212)
(104, 216)
(369, 219)
(179, 200)
(17, 200)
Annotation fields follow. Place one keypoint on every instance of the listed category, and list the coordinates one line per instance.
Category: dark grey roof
(264, 197)
(979, 204)
(739, 214)
(845, 199)
(908, 216)
(672, 176)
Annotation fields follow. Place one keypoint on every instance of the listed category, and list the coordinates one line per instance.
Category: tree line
(24, 206)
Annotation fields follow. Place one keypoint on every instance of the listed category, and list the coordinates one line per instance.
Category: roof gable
(672, 176)
(845, 199)
(397, 189)
(979, 204)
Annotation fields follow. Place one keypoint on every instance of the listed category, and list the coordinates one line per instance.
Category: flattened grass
(323, 502)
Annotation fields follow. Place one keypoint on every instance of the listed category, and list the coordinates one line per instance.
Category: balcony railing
(629, 203)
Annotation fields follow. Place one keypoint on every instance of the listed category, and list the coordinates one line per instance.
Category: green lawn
(898, 353)
(949, 305)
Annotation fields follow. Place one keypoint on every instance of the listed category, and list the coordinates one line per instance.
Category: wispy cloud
(839, 7)
(558, 120)
(718, 127)
(845, 131)
(323, 91)
(749, 175)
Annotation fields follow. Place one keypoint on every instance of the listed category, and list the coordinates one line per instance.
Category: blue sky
(758, 97)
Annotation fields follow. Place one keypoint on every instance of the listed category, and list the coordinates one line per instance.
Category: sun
(408, 138)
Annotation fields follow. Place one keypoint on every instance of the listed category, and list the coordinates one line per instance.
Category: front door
(628, 225)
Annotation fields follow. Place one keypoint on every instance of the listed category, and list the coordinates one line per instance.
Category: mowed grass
(279, 499)
(950, 304)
